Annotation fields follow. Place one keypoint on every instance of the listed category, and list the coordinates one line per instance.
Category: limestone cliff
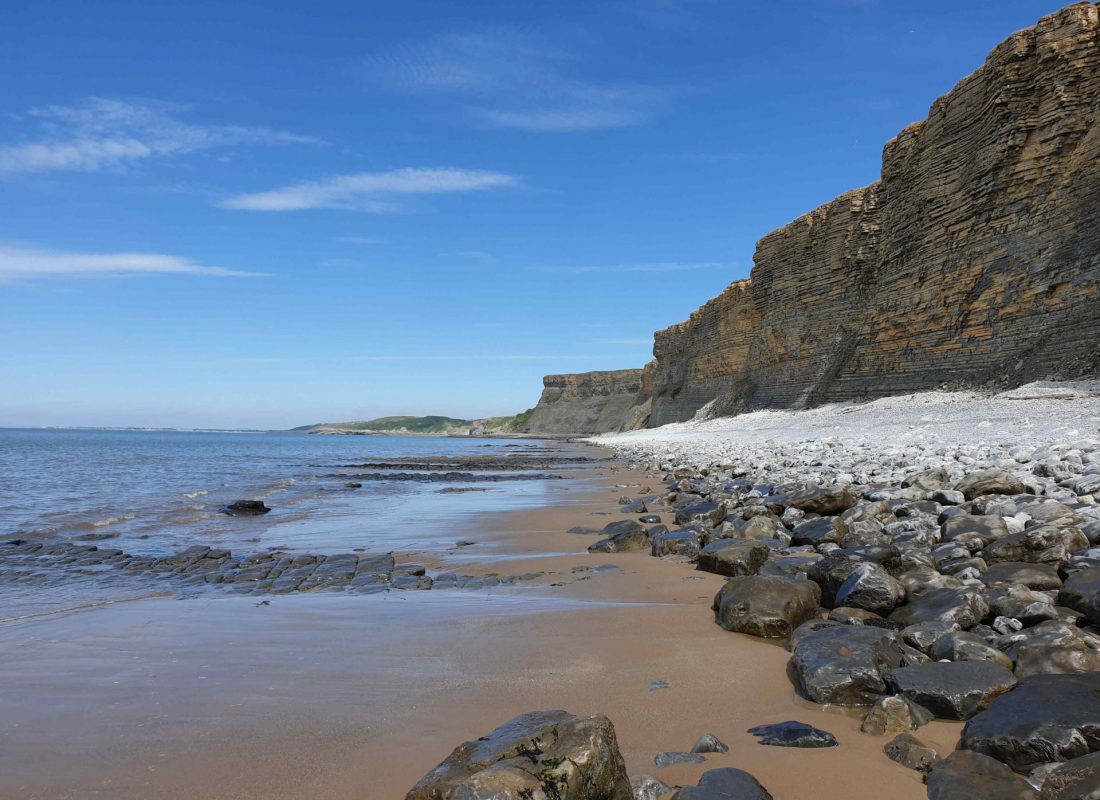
(591, 402)
(975, 260)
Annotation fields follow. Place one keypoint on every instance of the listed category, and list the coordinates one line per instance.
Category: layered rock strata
(974, 261)
(591, 402)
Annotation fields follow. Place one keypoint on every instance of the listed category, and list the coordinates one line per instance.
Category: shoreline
(351, 697)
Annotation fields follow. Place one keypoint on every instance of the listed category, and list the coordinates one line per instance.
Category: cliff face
(591, 402)
(975, 260)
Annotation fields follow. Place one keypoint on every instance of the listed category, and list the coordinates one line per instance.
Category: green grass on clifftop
(425, 425)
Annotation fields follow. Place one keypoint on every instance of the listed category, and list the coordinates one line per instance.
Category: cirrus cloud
(104, 133)
(507, 79)
(369, 191)
(24, 261)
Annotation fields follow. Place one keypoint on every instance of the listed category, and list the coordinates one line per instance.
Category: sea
(159, 492)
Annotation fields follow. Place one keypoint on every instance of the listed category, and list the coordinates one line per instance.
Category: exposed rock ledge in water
(216, 569)
(446, 477)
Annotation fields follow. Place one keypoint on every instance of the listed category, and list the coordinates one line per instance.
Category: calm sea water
(156, 492)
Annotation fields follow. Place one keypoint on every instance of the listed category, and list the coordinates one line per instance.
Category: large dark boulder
(733, 557)
(822, 499)
(1018, 602)
(974, 532)
(1039, 657)
(972, 776)
(966, 646)
(1043, 544)
(684, 544)
(705, 513)
(845, 664)
(724, 784)
(830, 573)
(1040, 577)
(625, 536)
(990, 481)
(539, 754)
(767, 606)
(1045, 718)
(929, 480)
(952, 689)
(964, 606)
(1081, 592)
(871, 588)
(818, 530)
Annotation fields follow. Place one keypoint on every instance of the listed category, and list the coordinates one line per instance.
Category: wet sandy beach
(342, 696)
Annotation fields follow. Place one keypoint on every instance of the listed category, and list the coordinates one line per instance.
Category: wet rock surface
(1045, 718)
(895, 714)
(973, 776)
(446, 477)
(709, 743)
(1078, 779)
(910, 752)
(199, 567)
(846, 664)
(793, 734)
(246, 508)
(766, 606)
(547, 754)
(724, 784)
(952, 689)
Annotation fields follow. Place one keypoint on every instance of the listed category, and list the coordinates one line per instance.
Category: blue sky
(266, 214)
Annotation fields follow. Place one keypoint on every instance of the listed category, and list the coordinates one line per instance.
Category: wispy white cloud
(507, 79)
(369, 191)
(637, 341)
(659, 266)
(471, 357)
(103, 133)
(23, 262)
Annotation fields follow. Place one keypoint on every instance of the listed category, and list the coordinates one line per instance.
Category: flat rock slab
(671, 758)
(793, 734)
(971, 776)
(1045, 718)
(952, 689)
(724, 784)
